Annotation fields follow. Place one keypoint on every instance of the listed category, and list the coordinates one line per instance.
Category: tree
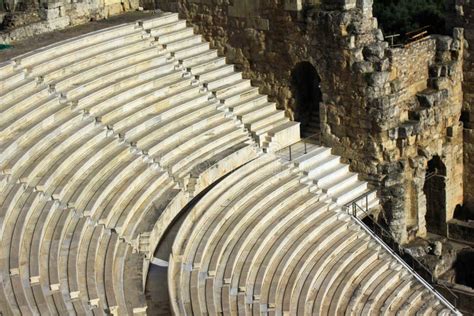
(402, 16)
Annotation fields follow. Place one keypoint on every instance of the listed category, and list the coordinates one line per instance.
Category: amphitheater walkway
(105, 137)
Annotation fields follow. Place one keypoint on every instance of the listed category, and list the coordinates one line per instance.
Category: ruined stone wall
(466, 12)
(426, 81)
(414, 102)
(387, 111)
(410, 65)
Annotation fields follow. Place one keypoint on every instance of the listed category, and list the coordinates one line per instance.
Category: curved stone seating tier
(105, 138)
(46, 252)
(264, 241)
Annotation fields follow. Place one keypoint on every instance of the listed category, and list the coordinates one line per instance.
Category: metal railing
(312, 139)
(391, 38)
(364, 196)
(385, 239)
(408, 38)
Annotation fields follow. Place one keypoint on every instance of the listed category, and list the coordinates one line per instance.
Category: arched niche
(435, 191)
(306, 88)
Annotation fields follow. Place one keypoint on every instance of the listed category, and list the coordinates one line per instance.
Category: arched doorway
(305, 83)
(435, 191)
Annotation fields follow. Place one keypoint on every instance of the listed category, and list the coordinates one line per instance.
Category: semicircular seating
(264, 242)
(100, 136)
(98, 133)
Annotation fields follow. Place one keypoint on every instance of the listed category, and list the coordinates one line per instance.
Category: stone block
(375, 51)
(293, 5)
(443, 42)
(430, 97)
(364, 67)
(378, 79)
(458, 33)
(53, 13)
(339, 4)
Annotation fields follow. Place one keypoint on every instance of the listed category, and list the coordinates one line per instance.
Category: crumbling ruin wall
(387, 111)
(466, 13)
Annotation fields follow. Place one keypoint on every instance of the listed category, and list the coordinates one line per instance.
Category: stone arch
(435, 191)
(306, 89)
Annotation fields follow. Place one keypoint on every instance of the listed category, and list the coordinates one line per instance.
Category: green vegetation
(4, 46)
(403, 16)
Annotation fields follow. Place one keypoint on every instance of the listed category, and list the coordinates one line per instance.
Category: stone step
(88, 52)
(305, 161)
(348, 194)
(58, 49)
(10, 77)
(12, 96)
(339, 183)
(199, 58)
(102, 64)
(167, 28)
(206, 65)
(175, 35)
(228, 89)
(7, 69)
(224, 82)
(319, 167)
(162, 20)
(182, 43)
(267, 122)
(260, 115)
(247, 103)
(190, 51)
(331, 174)
(215, 73)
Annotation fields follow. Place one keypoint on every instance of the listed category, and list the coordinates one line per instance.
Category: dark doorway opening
(435, 191)
(306, 83)
(463, 213)
(463, 268)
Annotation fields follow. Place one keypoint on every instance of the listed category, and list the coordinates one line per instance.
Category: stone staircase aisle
(333, 178)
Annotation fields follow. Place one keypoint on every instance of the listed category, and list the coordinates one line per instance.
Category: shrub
(402, 16)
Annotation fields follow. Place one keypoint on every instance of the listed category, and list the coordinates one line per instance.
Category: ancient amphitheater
(107, 136)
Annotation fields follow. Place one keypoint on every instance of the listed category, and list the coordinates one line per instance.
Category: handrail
(302, 140)
(418, 30)
(392, 37)
(399, 259)
(363, 196)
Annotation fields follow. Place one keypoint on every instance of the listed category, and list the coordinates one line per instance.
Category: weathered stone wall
(466, 13)
(410, 65)
(387, 111)
(46, 16)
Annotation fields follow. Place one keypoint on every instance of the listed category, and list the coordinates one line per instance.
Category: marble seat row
(264, 242)
(95, 142)
(55, 261)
